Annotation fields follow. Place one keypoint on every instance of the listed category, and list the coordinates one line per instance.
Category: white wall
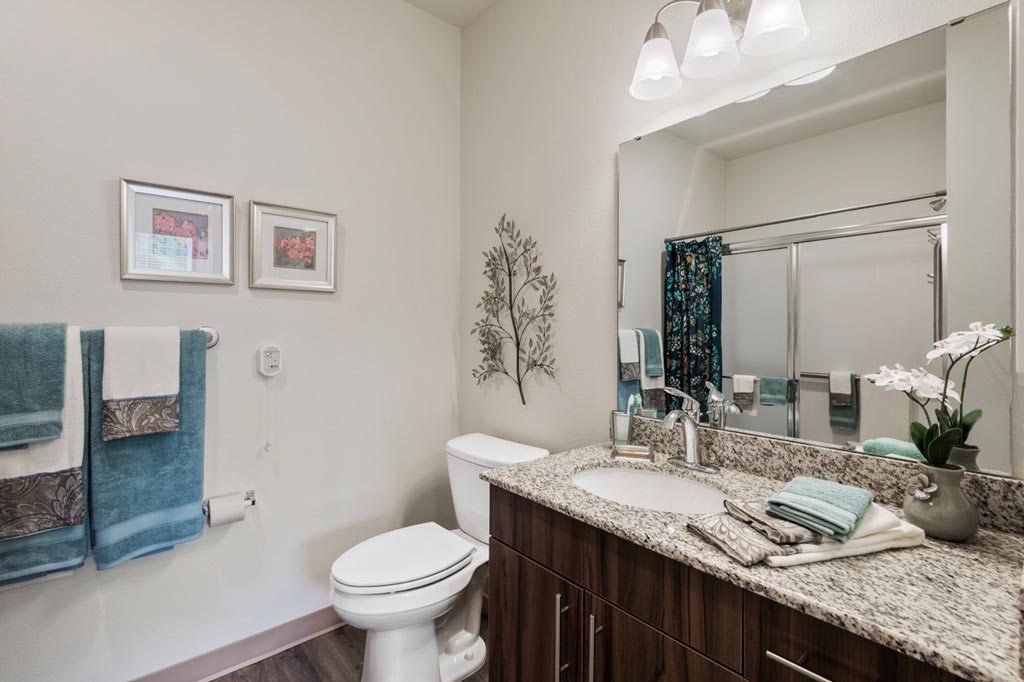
(338, 105)
(544, 109)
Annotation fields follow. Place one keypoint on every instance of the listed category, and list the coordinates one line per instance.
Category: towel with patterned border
(140, 381)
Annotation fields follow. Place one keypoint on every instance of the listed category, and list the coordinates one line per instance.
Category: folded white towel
(840, 383)
(879, 530)
(629, 349)
(64, 452)
(649, 383)
(140, 362)
(743, 383)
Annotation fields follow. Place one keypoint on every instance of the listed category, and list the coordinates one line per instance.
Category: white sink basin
(651, 490)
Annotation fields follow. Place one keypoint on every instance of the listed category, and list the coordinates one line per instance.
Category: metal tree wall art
(518, 307)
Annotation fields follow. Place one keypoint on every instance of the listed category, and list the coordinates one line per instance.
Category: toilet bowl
(418, 590)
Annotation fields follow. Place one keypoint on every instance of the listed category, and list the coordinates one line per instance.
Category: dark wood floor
(334, 657)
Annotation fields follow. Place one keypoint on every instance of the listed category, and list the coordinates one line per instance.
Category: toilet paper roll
(226, 509)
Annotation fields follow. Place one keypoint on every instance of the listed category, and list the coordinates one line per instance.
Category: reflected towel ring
(212, 336)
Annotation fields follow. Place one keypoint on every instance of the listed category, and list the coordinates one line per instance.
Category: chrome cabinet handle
(559, 610)
(594, 631)
(796, 667)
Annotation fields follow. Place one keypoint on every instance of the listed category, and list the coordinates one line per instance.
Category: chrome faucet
(690, 414)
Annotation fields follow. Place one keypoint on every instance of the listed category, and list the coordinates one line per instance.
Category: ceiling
(456, 12)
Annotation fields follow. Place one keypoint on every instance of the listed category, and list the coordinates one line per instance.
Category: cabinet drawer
(784, 645)
(698, 610)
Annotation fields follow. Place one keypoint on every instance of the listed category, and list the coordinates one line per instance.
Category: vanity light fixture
(755, 96)
(812, 77)
(761, 27)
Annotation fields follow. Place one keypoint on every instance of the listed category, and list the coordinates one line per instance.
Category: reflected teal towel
(32, 382)
(146, 492)
(826, 507)
(776, 391)
(844, 417)
(652, 353)
(892, 446)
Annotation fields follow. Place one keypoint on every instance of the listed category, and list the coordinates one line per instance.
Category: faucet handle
(690, 404)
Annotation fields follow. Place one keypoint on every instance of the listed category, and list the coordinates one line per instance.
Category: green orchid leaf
(941, 446)
(917, 434)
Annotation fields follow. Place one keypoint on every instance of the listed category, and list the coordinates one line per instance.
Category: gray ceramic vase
(935, 503)
(965, 456)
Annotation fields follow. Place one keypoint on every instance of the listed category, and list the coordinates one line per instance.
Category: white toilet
(418, 590)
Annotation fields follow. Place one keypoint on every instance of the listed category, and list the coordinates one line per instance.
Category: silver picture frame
(147, 253)
(295, 273)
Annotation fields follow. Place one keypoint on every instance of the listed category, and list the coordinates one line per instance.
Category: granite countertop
(955, 606)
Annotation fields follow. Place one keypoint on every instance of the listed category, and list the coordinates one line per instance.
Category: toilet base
(455, 668)
(400, 655)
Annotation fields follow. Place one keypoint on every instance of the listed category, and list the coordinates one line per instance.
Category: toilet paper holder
(248, 498)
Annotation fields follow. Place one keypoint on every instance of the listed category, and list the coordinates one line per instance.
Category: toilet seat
(401, 560)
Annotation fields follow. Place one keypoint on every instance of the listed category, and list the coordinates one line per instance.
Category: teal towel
(776, 391)
(146, 492)
(845, 417)
(32, 383)
(53, 551)
(892, 446)
(832, 509)
(652, 353)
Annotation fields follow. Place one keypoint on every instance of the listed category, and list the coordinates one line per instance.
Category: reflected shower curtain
(693, 317)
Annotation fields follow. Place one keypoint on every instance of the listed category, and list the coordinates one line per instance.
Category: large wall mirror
(820, 230)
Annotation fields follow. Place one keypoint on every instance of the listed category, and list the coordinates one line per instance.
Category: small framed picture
(173, 234)
(291, 248)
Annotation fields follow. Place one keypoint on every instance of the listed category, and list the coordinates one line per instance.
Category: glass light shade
(773, 26)
(656, 75)
(755, 96)
(711, 50)
(813, 77)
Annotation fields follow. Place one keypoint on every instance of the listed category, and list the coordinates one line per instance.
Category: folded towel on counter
(776, 390)
(652, 389)
(743, 543)
(32, 383)
(826, 507)
(652, 357)
(140, 381)
(843, 401)
(146, 493)
(41, 484)
(629, 355)
(745, 393)
(891, 446)
(777, 530)
(64, 548)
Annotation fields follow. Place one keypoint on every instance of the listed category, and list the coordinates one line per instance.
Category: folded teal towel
(776, 391)
(844, 417)
(652, 353)
(32, 387)
(892, 446)
(146, 492)
(826, 507)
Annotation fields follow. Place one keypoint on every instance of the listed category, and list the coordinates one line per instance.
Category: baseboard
(231, 657)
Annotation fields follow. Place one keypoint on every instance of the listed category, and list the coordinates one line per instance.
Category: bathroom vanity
(585, 589)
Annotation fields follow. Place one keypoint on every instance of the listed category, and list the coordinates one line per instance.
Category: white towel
(629, 350)
(840, 383)
(649, 383)
(743, 383)
(64, 452)
(140, 381)
(140, 362)
(879, 530)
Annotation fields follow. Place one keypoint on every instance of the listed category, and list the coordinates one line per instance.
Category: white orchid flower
(959, 344)
(898, 379)
(930, 387)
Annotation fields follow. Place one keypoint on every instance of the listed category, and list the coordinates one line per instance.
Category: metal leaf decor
(518, 307)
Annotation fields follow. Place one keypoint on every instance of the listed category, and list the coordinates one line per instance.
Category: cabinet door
(620, 648)
(534, 619)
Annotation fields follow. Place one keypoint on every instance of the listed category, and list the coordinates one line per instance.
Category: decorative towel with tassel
(32, 383)
(146, 493)
(744, 393)
(140, 381)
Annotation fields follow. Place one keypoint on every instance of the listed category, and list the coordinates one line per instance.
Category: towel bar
(212, 336)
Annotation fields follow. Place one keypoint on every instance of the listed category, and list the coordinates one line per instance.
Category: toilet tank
(468, 457)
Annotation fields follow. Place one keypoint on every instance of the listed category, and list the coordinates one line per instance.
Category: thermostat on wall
(270, 361)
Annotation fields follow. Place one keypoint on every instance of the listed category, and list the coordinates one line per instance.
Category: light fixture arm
(657, 17)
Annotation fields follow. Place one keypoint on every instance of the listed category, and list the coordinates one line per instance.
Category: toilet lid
(402, 559)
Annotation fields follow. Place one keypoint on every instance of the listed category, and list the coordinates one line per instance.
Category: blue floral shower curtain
(693, 317)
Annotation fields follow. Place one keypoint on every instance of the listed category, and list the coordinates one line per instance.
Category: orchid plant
(952, 426)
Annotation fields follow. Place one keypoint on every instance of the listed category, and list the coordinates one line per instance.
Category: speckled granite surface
(999, 499)
(954, 606)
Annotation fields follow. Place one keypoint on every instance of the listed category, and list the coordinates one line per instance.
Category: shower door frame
(792, 243)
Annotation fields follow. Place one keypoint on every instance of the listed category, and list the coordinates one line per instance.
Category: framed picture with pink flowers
(291, 248)
(173, 234)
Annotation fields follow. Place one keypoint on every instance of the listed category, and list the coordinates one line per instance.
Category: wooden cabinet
(572, 603)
